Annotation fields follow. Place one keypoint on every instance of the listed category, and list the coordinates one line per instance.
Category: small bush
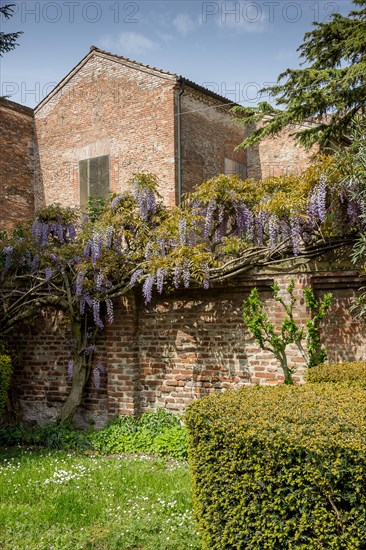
(158, 432)
(280, 467)
(6, 371)
(56, 435)
(348, 373)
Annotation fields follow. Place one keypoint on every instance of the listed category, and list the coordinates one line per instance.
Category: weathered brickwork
(143, 119)
(40, 382)
(209, 135)
(106, 108)
(180, 348)
(275, 156)
(17, 160)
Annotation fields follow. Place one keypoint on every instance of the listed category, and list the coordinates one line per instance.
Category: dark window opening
(232, 167)
(94, 179)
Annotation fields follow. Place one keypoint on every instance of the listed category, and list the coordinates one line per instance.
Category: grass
(52, 500)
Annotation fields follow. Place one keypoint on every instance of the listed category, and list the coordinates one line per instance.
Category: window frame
(87, 166)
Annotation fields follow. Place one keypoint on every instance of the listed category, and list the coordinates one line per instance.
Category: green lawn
(56, 500)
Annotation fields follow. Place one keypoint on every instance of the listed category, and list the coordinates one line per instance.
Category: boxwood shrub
(280, 467)
(5, 377)
(348, 373)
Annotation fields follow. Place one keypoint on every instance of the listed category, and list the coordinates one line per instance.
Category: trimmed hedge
(6, 371)
(348, 373)
(280, 468)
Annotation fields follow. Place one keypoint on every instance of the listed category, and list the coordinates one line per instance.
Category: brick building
(18, 155)
(111, 117)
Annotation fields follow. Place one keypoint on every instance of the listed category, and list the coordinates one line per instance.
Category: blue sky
(231, 47)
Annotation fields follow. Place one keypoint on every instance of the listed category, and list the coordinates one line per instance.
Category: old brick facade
(138, 118)
(18, 157)
(180, 348)
(185, 345)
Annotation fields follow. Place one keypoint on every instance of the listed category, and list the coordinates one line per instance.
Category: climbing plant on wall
(69, 262)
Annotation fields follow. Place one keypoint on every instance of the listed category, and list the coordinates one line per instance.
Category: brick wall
(180, 348)
(17, 160)
(106, 108)
(209, 134)
(278, 155)
(40, 354)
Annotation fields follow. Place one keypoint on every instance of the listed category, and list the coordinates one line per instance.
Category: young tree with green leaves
(276, 339)
(66, 262)
(327, 93)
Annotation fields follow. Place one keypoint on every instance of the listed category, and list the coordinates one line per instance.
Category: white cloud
(242, 17)
(128, 44)
(183, 24)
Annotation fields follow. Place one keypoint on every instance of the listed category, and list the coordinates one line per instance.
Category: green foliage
(56, 435)
(339, 373)
(280, 467)
(329, 90)
(317, 353)
(275, 340)
(96, 205)
(6, 370)
(158, 432)
(8, 41)
(155, 432)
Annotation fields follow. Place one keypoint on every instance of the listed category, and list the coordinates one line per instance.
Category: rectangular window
(235, 168)
(94, 178)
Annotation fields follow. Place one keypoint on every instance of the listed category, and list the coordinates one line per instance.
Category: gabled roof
(129, 63)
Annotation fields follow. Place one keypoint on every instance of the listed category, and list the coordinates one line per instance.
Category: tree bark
(80, 375)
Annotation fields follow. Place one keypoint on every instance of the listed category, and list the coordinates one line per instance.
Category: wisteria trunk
(79, 379)
(80, 375)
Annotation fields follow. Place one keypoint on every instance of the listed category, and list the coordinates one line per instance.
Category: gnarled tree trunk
(81, 370)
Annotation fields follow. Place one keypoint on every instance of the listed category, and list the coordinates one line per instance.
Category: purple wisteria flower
(98, 281)
(71, 231)
(211, 207)
(96, 248)
(87, 249)
(109, 237)
(88, 299)
(147, 288)
(82, 305)
(316, 207)
(206, 278)
(186, 275)
(80, 282)
(8, 251)
(177, 276)
(243, 217)
(92, 348)
(48, 274)
(70, 369)
(148, 252)
(146, 201)
(183, 231)
(109, 306)
(96, 377)
(101, 368)
(96, 314)
(160, 280)
(135, 277)
(295, 234)
(273, 230)
(116, 201)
